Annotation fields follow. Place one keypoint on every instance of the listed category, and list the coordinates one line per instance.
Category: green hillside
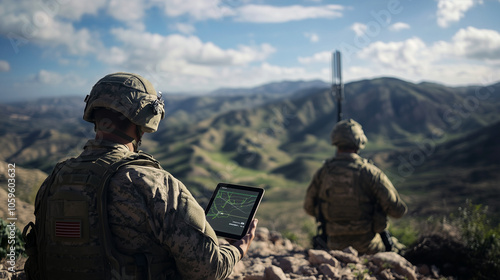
(436, 143)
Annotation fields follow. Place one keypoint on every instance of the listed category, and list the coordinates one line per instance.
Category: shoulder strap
(115, 258)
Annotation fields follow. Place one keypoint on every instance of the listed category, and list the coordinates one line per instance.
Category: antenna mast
(337, 85)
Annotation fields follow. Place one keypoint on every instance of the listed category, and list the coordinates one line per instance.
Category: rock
(317, 257)
(256, 269)
(329, 271)
(289, 264)
(274, 273)
(262, 234)
(344, 257)
(271, 256)
(239, 268)
(396, 262)
(386, 275)
(351, 250)
(424, 269)
(275, 237)
(261, 248)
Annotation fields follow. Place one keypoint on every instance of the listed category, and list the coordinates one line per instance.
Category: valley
(439, 145)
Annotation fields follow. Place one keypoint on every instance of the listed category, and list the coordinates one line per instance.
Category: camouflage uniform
(150, 208)
(152, 213)
(112, 213)
(354, 197)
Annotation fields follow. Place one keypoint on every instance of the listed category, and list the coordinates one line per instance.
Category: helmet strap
(136, 144)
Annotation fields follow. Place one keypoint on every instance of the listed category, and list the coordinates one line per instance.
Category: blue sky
(62, 47)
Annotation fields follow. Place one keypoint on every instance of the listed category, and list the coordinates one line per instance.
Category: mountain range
(438, 144)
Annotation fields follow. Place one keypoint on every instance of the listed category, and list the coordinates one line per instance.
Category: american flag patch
(68, 229)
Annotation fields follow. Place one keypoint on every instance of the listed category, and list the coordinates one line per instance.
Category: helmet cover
(129, 94)
(348, 133)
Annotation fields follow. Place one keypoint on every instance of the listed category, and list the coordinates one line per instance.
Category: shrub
(4, 240)
(405, 231)
(480, 238)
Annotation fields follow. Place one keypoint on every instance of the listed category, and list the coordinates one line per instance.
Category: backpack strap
(116, 259)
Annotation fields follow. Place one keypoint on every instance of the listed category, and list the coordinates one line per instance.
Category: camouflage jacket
(152, 213)
(353, 196)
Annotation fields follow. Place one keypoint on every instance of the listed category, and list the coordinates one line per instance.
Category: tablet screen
(232, 208)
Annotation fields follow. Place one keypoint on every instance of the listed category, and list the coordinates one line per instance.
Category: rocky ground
(272, 257)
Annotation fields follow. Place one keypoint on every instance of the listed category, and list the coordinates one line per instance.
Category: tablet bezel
(260, 194)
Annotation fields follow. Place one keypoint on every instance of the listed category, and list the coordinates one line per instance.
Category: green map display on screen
(230, 210)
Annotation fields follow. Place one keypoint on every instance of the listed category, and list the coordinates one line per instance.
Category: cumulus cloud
(23, 23)
(178, 53)
(450, 11)
(278, 71)
(184, 28)
(359, 28)
(313, 37)
(411, 55)
(48, 77)
(51, 79)
(399, 26)
(275, 14)
(321, 57)
(241, 76)
(197, 9)
(472, 43)
(73, 10)
(126, 11)
(242, 11)
(4, 66)
(453, 61)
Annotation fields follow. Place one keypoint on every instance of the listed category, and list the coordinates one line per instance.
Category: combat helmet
(129, 94)
(348, 133)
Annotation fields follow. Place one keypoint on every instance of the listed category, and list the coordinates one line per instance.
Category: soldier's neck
(346, 151)
(102, 135)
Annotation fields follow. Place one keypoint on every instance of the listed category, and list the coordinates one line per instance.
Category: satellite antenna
(337, 85)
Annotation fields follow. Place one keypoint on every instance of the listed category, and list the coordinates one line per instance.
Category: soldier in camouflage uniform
(113, 212)
(352, 196)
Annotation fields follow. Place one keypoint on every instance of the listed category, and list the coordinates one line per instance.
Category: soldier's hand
(244, 243)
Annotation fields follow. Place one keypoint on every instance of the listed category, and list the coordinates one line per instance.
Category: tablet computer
(232, 208)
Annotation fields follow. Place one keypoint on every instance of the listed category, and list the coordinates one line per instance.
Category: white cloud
(410, 56)
(126, 11)
(244, 76)
(450, 11)
(48, 77)
(50, 83)
(184, 28)
(241, 11)
(51, 78)
(179, 54)
(274, 14)
(454, 62)
(23, 22)
(399, 26)
(313, 37)
(321, 57)
(196, 9)
(4, 66)
(472, 43)
(359, 28)
(114, 56)
(282, 72)
(73, 10)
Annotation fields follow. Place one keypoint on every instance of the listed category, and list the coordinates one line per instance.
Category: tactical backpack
(71, 238)
(347, 208)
